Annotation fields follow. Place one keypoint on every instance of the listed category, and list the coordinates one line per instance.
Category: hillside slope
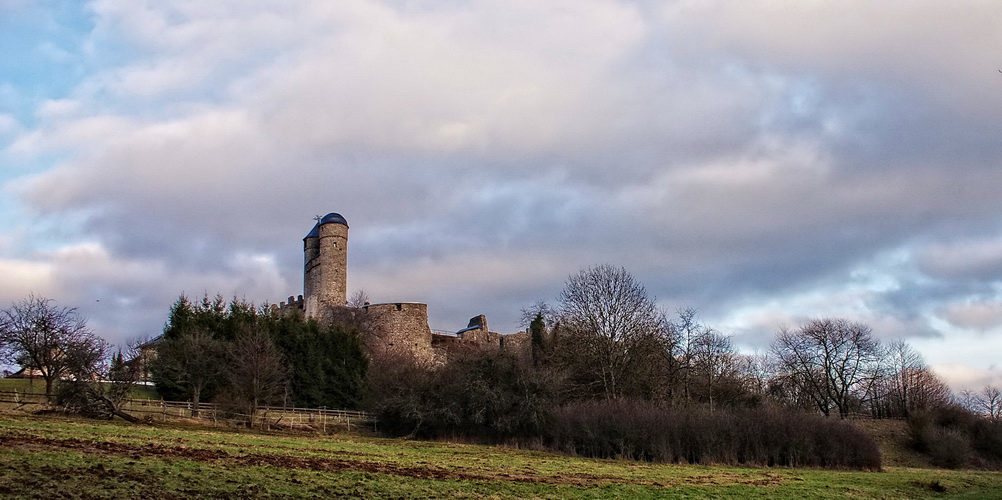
(892, 439)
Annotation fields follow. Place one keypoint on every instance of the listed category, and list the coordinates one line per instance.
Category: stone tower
(325, 272)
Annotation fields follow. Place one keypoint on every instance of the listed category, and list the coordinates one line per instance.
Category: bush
(949, 449)
(953, 437)
(986, 437)
(74, 397)
(491, 397)
(640, 430)
(488, 397)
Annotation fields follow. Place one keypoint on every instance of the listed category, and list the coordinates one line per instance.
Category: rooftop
(331, 218)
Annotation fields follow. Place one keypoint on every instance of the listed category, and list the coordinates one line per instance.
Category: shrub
(486, 396)
(764, 436)
(953, 437)
(491, 397)
(949, 448)
(986, 437)
(73, 397)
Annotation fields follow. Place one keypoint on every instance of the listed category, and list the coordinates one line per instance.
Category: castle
(397, 329)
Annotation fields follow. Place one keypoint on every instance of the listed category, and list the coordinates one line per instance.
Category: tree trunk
(195, 399)
(49, 382)
(116, 411)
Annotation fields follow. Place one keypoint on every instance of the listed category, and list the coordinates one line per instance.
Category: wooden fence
(267, 417)
(20, 399)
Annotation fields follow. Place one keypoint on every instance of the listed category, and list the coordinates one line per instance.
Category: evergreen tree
(537, 329)
(326, 365)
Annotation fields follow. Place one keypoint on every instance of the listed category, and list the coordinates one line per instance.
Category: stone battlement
(292, 303)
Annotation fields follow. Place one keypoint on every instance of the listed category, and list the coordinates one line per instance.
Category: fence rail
(22, 398)
(265, 417)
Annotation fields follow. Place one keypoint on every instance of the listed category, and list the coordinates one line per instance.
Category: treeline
(497, 397)
(245, 357)
(613, 375)
(609, 375)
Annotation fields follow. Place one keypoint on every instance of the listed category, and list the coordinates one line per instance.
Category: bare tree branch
(38, 335)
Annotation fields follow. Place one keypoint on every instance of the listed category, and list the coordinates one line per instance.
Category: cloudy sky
(764, 162)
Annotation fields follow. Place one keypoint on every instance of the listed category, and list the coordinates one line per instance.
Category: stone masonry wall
(325, 274)
(401, 328)
(403, 331)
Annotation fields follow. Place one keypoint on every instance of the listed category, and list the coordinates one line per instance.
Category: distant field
(52, 456)
(22, 384)
(38, 386)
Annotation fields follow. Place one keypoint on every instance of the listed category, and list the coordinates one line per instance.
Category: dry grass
(891, 436)
(55, 457)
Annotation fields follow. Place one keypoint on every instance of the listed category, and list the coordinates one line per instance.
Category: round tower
(325, 271)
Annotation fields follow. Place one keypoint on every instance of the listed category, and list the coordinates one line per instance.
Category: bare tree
(358, 299)
(902, 364)
(906, 384)
(700, 355)
(538, 310)
(192, 359)
(713, 363)
(366, 322)
(988, 402)
(831, 360)
(256, 373)
(38, 335)
(612, 324)
(927, 390)
(101, 384)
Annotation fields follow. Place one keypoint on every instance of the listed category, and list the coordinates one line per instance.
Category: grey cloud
(970, 259)
(483, 154)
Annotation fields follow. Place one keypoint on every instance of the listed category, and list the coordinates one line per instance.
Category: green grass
(55, 456)
(38, 386)
(22, 385)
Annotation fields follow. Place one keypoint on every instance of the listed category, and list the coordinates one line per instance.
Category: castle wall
(519, 344)
(311, 274)
(478, 337)
(402, 331)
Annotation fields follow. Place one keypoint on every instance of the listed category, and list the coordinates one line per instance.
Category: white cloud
(57, 109)
(128, 298)
(981, 315)
(962, 377)
(728, 153)
(22, 277)
(396, 80)
(944, 50)
(8, 125)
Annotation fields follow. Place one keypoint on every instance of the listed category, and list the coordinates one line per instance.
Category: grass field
(22, 385)
(38, 386)
(55, 457)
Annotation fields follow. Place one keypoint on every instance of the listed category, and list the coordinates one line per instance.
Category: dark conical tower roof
(331, 218)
